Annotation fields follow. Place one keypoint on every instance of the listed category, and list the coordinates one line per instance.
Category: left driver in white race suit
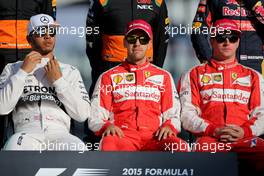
(43, 94)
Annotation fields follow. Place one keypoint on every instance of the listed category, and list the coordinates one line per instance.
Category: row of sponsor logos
(125, 90)
(237, 89)
(153, 94)
(217, 78)
(123, 86)
(130, 78)
(229, 95)
(130, 92)
(210, 78)
(123, 79)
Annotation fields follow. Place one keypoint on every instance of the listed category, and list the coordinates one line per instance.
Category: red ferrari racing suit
(139, 99)
(108, 19)
(214, 95)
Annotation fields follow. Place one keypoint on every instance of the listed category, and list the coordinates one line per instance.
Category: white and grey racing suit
(42, 111)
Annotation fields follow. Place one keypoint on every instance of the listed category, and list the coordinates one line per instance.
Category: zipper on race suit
(224, 101)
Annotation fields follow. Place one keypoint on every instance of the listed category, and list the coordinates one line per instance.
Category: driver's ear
(29, 39)
(150, 43)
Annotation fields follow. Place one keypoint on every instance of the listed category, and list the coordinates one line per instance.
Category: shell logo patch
(206, 79)
(118, 79)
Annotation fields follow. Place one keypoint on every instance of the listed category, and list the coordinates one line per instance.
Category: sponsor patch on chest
(211, 78)
(225, 95)
(123, 78)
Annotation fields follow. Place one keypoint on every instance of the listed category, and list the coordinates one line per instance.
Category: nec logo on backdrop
(144, 5)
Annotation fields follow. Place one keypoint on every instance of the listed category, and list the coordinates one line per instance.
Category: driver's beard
(37, 48)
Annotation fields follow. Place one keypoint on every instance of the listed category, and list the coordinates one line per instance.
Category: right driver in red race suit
(249, 16)
(135, 105)
(222, 100)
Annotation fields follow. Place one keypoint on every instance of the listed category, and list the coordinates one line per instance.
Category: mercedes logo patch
(44, 19)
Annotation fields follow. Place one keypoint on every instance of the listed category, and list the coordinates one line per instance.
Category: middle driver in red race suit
(135, 106)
